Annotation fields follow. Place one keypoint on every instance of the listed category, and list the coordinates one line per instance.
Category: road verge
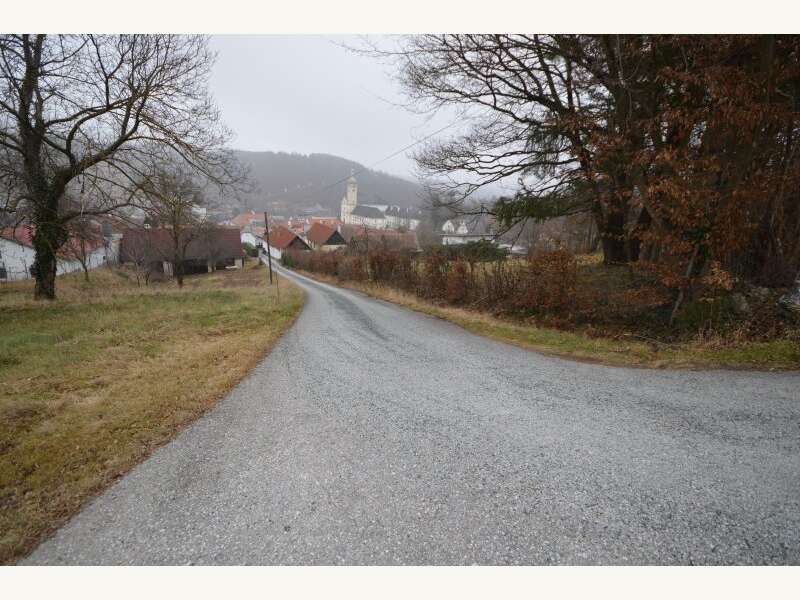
(628, 351)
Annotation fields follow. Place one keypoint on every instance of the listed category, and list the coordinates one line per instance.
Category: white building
(17, 255)
(248, 237)
(374, 216)
(455, 226)
(463, 231)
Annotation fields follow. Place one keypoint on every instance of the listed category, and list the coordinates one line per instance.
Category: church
(374, 216)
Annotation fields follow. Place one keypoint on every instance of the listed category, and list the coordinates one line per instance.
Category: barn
(208, 249)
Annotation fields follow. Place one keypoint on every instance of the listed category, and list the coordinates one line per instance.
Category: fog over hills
(291, 183)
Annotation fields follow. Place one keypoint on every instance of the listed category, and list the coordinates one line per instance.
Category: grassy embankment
(91, 384)
(624, 349)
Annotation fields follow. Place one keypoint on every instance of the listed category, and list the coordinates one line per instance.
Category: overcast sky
(307, 94)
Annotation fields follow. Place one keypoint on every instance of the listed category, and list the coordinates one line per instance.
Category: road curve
(372, 434)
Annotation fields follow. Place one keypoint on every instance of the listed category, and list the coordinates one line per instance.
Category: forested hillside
(298, 181)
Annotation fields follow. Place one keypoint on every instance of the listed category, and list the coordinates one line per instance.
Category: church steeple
(351, 197)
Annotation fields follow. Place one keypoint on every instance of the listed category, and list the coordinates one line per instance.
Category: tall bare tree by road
(88, 114)
(532, 106)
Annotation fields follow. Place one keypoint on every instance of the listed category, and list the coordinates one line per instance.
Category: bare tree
(172, 201)
(140, 251)
(84, 238)
(87, 114)
(535, 109)
(210, 242)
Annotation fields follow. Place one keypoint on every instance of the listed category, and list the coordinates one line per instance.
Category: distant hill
(296, 183)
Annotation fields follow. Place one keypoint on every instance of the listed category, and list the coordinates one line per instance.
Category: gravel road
(375, 435)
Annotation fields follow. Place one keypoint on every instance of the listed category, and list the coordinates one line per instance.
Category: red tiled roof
(319, 234)
(244, 219)
(329, 221)
(281, 238)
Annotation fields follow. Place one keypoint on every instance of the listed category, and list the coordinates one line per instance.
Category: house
(401, 218)
(249, 223)
(368, 216)
(322, 237)
(246, 219)
(17, 255)
(282, 240)
(208, 249)
(469, 229)
(329, 221)
(457, 226)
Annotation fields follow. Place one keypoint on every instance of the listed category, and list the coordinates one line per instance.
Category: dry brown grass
(92, 383)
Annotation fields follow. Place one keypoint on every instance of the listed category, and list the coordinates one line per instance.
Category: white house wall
(18, 259)
(457, 240)
(250, 238)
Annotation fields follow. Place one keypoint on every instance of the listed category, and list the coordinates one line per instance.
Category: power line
(392, 155)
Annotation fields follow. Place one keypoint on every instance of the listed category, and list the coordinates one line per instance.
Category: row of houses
(325, 238)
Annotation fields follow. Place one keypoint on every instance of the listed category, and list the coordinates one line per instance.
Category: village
(208, 246)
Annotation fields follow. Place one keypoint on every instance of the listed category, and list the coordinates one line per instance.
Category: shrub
(351, 268)
(434, 279)
(549, 282)
(382, 264)
(458, 284)
(406, 276)
(501, 286)
(478, 251)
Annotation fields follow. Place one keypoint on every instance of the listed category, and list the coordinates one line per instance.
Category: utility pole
(269, 258)
(269, 250)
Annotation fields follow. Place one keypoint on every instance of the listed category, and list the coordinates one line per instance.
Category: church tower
(350, 199)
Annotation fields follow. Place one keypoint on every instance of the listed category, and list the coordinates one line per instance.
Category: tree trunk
(84, 260)
(178, 252)
(44, 269)
(612, 234)
(47, 240)
(696, 262)
(178, 268)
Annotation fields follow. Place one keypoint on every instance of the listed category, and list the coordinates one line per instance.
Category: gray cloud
(308, 94)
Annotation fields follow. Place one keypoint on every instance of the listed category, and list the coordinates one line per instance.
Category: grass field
(621, 350)
(92, 383)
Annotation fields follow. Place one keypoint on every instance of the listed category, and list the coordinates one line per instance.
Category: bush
(549, 282)
(434, 278)
(479, 251)
(382, 264)
(458, 284)
(351, 268)
(250, 249)
(406, 277)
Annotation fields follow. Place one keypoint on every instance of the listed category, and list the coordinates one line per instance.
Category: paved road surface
(372, 434)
